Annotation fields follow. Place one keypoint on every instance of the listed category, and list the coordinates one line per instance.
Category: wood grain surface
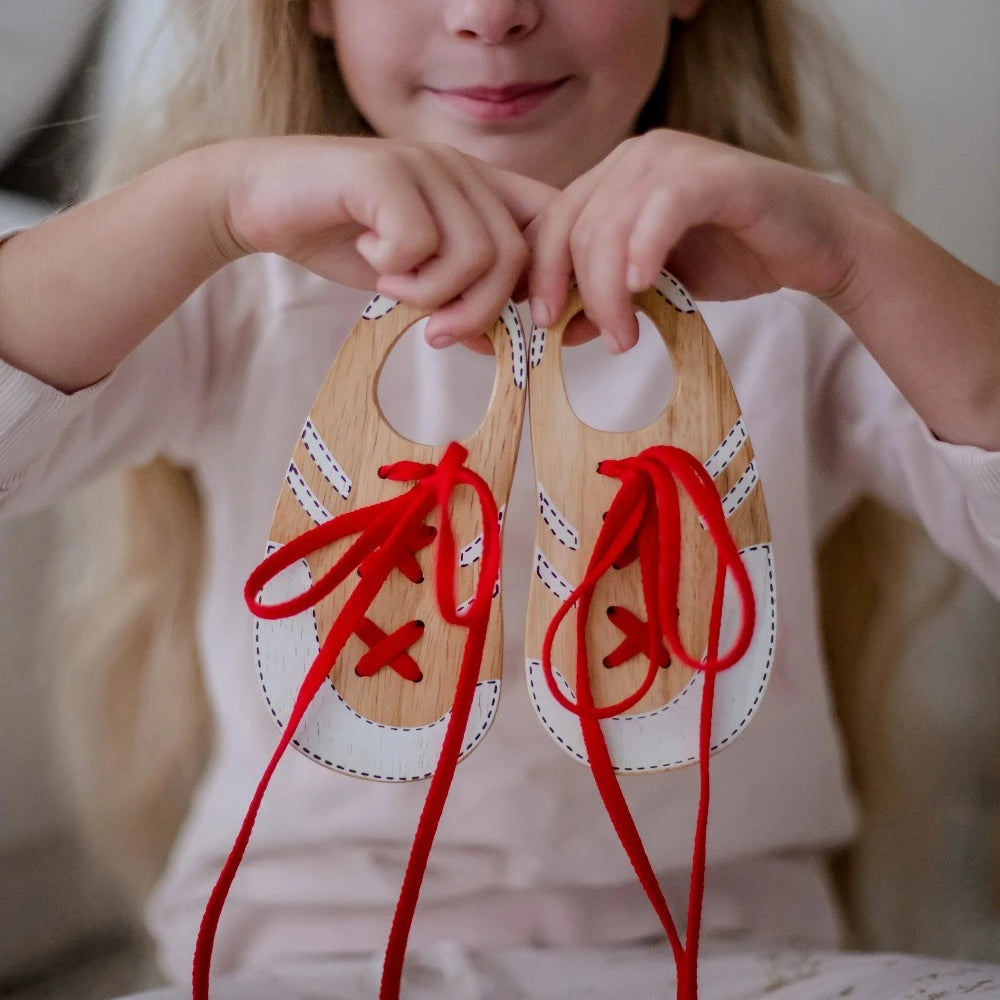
(348, 418)
(698, 418)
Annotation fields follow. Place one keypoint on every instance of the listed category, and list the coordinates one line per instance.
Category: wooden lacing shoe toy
(379, 639)
(651, 616)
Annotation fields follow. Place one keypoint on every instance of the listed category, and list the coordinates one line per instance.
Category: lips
(495, 104)
(498, 95)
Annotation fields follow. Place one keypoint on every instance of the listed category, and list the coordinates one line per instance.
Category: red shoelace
(389, 533)
(644, 522)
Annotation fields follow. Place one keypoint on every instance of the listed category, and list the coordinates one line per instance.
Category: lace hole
(623, 392)
(434, 396)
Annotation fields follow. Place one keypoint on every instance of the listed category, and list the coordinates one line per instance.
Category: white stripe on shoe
(323, 459)
(740, 490)
(473, 552)
(719, 460)
(308, 500)
(550, 577)
(556, 522)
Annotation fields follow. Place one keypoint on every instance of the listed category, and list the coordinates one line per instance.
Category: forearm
(80, 291)
(932, 323)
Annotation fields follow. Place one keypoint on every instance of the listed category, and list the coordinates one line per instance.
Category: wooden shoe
(661, 730)
(385, 710)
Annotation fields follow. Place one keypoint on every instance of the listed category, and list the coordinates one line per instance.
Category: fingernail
(540, 313)
(633, 279)
(440, 340)
(612, 342)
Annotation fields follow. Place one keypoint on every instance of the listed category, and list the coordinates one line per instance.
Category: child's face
(413, 66)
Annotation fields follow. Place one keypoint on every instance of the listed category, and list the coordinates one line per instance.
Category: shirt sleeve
(151, 404)
(870, 441)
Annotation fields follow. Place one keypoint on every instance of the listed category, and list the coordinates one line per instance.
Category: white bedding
(633, 973)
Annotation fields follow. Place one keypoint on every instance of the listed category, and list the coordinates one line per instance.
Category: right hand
(425, 224)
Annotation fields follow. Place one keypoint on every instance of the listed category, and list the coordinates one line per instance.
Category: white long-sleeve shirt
(524, 853)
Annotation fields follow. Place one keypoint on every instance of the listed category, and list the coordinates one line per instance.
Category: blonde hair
(133, 705)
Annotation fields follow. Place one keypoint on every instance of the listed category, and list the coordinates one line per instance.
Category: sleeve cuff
(977, 466)
(32, 413)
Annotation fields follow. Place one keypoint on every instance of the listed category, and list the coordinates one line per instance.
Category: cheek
(371, 53)
(626, 52)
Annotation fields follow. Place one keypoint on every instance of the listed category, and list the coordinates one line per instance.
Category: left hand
(728, 223)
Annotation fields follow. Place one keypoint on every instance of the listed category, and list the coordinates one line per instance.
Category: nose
(492, 21)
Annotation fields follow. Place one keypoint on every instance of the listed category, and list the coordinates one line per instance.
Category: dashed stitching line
(738, 429)
(568, 536)
(305, 496)
(559, 587)
(323, 459)
(537, 347)
(516, 334)
(545, 721)
(377, 307)
(466, 604)
(730, 502)
(681, 290)
(473, 552)
(495, 687)
(769, 660)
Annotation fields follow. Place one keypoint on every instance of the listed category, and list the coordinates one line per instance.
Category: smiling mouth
(499, 103)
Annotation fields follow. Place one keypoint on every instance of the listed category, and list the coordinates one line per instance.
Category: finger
(551, 262)
(466, 318)
(479, 305)
(466, 253)
(548, 238)
(467, 250)
(668, 213)
(598, 245)
(479, 345)
(401, 232)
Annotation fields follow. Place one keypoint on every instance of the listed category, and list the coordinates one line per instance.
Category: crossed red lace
(644, 522)
(389, 534)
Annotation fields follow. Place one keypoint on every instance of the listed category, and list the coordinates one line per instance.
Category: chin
(543, 160)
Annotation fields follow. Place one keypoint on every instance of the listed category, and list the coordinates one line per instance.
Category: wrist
(868, 230)
(216, 171)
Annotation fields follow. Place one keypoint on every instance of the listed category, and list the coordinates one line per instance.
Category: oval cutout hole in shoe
(619, 392)
(434, 396)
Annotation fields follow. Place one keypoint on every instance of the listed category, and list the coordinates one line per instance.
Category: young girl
(453, 153)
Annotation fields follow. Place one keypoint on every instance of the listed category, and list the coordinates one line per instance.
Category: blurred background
(915, 642)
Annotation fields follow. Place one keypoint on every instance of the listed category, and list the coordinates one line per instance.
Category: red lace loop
(645, 514)
(387, 532)
(644, 520)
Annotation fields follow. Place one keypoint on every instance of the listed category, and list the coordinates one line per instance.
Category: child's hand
(728, 223)
(421, 223)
